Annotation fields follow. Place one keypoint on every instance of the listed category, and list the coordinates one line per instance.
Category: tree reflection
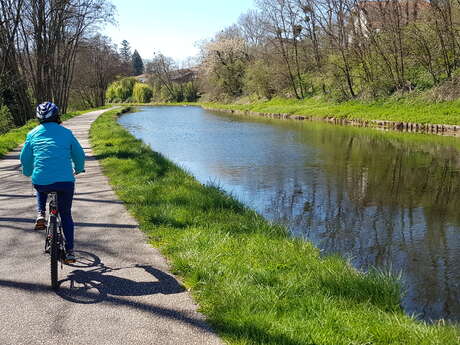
(383, 203)
(381, 199)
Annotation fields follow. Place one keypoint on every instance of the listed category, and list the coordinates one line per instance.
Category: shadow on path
(100, 282)
(99, 201)
(93, 225)
(11, 157)
(19, 196)
(17, 220)
(159, 311)
(104, 284)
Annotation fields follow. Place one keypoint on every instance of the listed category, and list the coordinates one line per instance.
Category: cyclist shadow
(101, 282)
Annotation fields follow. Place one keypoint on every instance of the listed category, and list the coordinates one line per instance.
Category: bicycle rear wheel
(54, 252)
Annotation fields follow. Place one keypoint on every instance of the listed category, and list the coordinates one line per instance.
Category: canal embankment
(255, 283)
(406, 115)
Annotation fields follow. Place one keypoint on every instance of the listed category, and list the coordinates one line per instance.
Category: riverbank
(16, 136)
(411, 115)
(255, 284)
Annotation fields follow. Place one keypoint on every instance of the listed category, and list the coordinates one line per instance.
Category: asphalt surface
(118, 292)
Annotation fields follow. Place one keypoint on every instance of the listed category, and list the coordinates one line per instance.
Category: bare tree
(283, 28)
(252, 28)
(98, 63)
(445, 23)
(12, 84)
(50, 34)
(162, 68)
(334, 18)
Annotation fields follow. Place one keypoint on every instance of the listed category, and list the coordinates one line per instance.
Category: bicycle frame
(55, 239)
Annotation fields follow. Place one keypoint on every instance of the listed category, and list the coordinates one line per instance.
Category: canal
(379, 199)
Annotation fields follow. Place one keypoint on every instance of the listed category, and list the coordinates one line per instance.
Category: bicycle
(55, 239)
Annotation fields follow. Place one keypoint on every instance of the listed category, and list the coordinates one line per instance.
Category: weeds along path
(118, 292)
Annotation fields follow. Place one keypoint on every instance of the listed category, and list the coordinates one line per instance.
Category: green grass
(17, 136)
(412, 110)
(255, 284)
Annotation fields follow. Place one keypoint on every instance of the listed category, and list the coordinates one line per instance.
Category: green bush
(142, 93)
(121, 89)
(6, 120)
(190, 92)
(258, 80)
(113, 92)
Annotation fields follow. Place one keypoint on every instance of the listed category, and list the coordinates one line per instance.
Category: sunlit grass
(255, 284)
(400, 110)
(17, 136)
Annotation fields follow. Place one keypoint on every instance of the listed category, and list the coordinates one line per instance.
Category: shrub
(6, 119)
(142, 93)
(258, 80)
(121, 89)
(190, 92)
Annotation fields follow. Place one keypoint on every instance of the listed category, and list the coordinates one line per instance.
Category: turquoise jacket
(48, 154)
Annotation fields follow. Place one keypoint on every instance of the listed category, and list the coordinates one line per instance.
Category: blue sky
(172, 26)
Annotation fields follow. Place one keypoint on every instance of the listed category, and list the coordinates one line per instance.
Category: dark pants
(65, 196)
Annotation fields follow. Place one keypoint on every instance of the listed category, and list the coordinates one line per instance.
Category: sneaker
(70, 257)
(40, 223)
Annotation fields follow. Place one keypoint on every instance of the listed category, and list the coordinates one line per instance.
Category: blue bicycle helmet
(47, 112)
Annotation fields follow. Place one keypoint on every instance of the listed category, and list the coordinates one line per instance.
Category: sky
(172, 27)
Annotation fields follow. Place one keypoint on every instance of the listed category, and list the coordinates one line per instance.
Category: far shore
(415, 116)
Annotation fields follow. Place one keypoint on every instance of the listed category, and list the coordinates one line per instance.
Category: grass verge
(402, 110)
(17, 136)
(255, 284)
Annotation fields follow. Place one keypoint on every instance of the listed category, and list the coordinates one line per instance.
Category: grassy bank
(255, 284)
(402, 110)
(15, 137)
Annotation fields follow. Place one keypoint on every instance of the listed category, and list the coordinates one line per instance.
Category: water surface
(378, 198)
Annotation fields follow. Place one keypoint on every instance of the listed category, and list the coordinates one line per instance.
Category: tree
(224, 60)
(97, 65)
(125, 51)
(126, 55)
(14, 101)
(142, 93)
(51, 32)
(137, 64)
(161, 68)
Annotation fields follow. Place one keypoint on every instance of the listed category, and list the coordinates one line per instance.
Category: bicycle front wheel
(54, 252)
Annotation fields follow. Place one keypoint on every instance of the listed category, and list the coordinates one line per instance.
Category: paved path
(119, 291)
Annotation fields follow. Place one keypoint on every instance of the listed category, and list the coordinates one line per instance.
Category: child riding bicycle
(47, 157)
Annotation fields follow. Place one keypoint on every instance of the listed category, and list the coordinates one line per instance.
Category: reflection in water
(381, 199)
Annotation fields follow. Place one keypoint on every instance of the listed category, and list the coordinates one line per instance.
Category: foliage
(254, 283)
(50, 34)
(259, 80)
(342, 49)
(137, 64)
(13, 87)
(125, 51)
(224, 64)
(142, 93)
(97, 65)
(6, 120)
(190, 92)
(169, 83)
(121, 90)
